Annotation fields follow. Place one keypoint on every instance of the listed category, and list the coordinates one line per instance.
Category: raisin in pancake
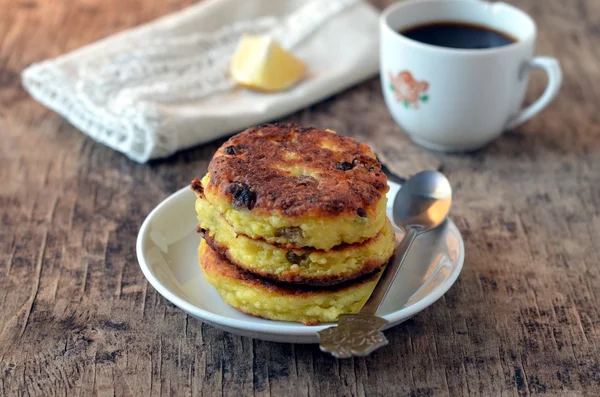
(305, 265)
(261, 298)
(298, 186)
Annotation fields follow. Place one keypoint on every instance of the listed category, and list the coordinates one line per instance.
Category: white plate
(167, 250)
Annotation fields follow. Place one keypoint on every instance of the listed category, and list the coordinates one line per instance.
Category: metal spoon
(421, 205)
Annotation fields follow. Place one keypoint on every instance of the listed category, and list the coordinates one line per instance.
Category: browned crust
(212, 262)
(350, 178)
(368, 267)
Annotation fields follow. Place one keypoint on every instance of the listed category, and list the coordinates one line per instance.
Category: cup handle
(552, 69)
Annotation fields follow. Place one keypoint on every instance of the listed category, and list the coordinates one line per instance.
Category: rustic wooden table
(77, 316)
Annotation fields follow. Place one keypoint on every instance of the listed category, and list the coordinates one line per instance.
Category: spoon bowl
(423, 201)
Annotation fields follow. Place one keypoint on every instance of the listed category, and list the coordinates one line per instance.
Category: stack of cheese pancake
(294, 223)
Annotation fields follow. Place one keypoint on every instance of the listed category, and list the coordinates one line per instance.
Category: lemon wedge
(260, 63)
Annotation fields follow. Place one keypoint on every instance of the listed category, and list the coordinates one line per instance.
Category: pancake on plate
(296, 186)
(295, 265)
(259, 297)
(294, 222)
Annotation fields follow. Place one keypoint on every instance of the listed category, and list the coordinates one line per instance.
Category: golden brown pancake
(296, 265)
(259, 297)
(287, 184)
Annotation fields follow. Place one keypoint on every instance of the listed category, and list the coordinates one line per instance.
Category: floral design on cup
(408, 90)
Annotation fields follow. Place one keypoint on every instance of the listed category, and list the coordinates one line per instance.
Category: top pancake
(296, 172)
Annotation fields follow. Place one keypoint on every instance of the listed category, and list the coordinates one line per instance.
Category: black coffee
(458, 35)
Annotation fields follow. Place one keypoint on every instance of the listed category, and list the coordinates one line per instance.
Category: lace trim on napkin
(113, 97)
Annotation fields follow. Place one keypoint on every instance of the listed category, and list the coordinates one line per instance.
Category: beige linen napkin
(164, 86)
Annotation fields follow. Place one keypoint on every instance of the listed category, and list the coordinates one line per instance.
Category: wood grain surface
(78, 318)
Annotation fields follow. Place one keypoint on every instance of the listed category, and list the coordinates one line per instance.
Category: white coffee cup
(451, 99)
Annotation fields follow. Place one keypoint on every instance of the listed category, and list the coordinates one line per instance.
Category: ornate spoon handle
(360, 334)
